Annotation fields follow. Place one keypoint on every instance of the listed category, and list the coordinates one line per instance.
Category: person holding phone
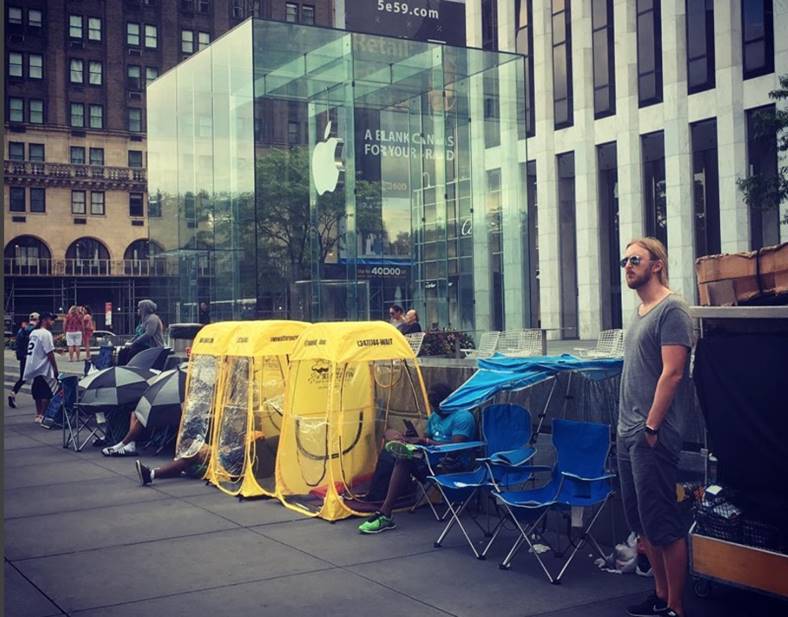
(442, 428)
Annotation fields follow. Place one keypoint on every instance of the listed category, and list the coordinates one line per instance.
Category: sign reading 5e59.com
(417, 20)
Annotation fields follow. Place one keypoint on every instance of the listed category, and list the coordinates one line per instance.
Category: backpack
(22, 339)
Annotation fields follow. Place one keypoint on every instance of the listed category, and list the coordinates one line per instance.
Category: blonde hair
(657, 252)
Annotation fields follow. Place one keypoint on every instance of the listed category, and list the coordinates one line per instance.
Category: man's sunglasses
(635, 260)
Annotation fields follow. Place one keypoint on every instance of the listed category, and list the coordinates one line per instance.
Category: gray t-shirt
(668, 323)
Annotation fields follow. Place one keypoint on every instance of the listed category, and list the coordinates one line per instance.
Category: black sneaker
(12, 401)
(670, 613)
(652, 605)
(143, 472)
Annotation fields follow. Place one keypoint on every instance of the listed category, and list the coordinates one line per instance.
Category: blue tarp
(499, 373)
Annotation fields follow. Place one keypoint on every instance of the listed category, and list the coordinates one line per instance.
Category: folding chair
(76, 421)
(506, 431)
(521, 343)
(579, 480)
(609, 345)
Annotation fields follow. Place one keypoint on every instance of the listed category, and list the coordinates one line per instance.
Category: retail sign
(418, 20)
(404, 144)
(326, 165)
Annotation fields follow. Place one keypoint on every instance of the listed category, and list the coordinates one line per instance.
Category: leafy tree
(766, 191)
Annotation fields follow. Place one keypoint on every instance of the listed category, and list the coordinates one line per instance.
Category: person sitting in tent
(442, 428)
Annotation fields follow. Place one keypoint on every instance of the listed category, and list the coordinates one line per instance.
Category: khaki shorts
(73, 339)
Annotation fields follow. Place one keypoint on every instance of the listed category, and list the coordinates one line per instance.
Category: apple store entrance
(310, 173)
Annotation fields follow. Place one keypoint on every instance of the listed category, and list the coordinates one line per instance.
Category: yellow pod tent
(202, 382)
(337, 406)
(250, 406)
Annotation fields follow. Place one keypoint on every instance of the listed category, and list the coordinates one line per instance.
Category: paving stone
(54, 473)
(22, 599)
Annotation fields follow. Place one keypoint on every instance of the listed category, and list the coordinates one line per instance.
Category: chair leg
(425, 498)
(523, 538)
(455, 518)
(583, 537)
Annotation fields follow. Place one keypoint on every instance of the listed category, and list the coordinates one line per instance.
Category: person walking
(41, 367)
(655, 399)
(73, 329)
(88, 328)
(21, 343)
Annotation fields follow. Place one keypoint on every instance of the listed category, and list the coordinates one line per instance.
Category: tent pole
(543, 413)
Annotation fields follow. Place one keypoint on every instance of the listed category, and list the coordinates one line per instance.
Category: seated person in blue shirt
(442, 428)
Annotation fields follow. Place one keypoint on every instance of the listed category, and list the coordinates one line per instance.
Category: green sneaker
(402, 450)
(377, 523)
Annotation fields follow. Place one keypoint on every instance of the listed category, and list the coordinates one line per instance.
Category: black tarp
(742, 386)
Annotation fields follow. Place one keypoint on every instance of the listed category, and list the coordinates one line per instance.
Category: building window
(187, 6)
(35, 153)
(151, 36)
(203, 40)
(524, 44)
(151, 73)
(135, 120)
(77, 155)
(34, 18)
(97, 202)
(291, 12)
(133, 34)
(705, 187)
(97, 157)
(38, 200)
(77, 202)
(75, 73)
(490, 24)
(187, 41)
(567, 240)
(700, 45)
(492, 110)
(95, 71)
(649, 37)
(307, 14)
(36, 111)
(16, 110)
(204, 6)
(654, 199)
(762, 161)
(78, 115)
(757, 37)
(154, 205)
(604, 58)
(532, 241)
(562, 64)
(94, 28)
(14, 15)
(16, 203)
(135, 158)
(15, 65)
(135, 204)
(133, 77)
(97, 116)
(35, 66)
(493, 209)
(607, 166)
(75, 26)
(292, 132)
(16, 151)
(238, 9)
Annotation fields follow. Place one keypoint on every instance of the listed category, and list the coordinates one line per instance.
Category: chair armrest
(573, 476)
(512, 458)
(532, 468)
(453, 447)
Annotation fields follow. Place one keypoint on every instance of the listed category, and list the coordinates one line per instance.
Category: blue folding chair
(76, 421)
(579, 480)
(506, 431)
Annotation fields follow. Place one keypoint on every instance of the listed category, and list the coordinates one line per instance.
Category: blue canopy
(499, 373)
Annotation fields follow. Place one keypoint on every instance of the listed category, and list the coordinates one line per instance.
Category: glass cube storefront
(310, 173)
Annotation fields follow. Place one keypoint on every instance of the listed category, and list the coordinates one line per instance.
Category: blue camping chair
(76, 421)
(579, 480)
(104, 359)
(506, 431)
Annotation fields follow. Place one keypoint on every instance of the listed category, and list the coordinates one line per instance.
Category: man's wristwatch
(651, 431)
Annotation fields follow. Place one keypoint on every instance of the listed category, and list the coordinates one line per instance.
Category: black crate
(719, 519)
(763, 535)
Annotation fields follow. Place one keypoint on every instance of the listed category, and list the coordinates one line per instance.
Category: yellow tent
(338, 404)
(202, 382)
(250, 406)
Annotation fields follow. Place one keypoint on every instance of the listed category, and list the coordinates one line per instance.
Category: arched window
(27, 255)
(139, 258)
(87, 256)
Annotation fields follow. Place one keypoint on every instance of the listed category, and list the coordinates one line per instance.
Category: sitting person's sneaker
(121, 449)
(377, 523)
(144, 472)
(400, 449)
(652, 605)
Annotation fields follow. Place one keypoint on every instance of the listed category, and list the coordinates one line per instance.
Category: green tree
(764, 191)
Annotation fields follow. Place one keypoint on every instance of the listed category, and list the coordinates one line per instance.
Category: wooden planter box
(726, 280)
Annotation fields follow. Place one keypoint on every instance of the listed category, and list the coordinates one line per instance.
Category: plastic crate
(763, 535)
(719, 519)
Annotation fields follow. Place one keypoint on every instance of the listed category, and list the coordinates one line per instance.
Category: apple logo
(325, 163)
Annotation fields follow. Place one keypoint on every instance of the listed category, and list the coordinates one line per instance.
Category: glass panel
(655, 201)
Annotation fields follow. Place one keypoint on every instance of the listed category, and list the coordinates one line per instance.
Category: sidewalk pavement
(83, 538)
